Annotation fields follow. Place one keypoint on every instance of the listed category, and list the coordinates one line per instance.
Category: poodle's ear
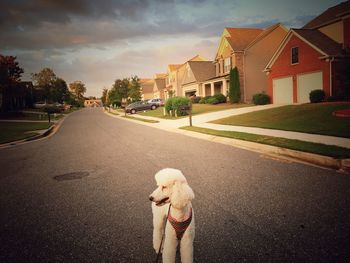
(181, 195)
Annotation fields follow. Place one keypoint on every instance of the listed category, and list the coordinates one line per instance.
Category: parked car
(39, 105)
(139, 106)
(158, 102)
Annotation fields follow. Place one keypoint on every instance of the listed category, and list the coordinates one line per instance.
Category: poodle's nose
(151, 198)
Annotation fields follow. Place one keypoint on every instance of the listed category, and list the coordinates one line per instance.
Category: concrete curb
(342, 165)
(46, 134)
(310, 158)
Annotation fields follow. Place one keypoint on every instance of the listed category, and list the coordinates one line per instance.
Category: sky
(98, 42)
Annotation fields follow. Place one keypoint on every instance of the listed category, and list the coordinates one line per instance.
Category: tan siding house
(159, 85)
(175, 76)
(147, 88)
(196, 72)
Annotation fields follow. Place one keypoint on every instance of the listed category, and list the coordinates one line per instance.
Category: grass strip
(310, 147)
(315, 118)
(140, 119)
(14, 131)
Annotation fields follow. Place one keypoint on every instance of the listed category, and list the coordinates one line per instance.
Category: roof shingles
(321, 41)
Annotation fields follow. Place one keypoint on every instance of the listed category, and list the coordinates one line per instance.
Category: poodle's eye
(163, 188)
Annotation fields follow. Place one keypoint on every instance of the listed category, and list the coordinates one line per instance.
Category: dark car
(139, 106)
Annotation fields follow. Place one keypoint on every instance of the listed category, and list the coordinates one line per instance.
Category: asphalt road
(249, 207)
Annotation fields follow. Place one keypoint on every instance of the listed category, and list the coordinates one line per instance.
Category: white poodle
(171, 203)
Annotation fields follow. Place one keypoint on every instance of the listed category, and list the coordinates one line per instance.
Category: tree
(60, 92)
(134, 91)
(104, 96)
(234, 92)
(78, 89)
(45, 81)
(10, 76)
(118, 92)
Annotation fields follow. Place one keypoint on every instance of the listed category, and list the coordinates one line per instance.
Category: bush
(205, 99)
(213, 100)
(169, 104)
(196, 99)
(176, 103)
(202, 101)
(261, 99)
(221, 98)
(317, 95)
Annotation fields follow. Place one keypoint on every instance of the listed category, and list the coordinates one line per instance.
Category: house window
(227, 64)
(295, 55)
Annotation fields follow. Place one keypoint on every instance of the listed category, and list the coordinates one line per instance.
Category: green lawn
(13, 131)
(317, 148)
(310, 118)
(29, 116)
(196, 109)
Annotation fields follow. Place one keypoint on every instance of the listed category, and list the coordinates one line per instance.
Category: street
(81, 195)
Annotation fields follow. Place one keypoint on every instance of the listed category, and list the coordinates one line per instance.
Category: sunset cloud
(99, 41)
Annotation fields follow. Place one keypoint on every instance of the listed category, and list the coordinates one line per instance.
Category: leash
(161, 242)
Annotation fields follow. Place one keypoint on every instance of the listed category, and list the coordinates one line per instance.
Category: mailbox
(185, 108)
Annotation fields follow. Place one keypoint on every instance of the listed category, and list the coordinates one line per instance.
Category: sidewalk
(203, 119)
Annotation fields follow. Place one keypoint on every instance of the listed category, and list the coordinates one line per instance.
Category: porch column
(211, 88)
(224, 87)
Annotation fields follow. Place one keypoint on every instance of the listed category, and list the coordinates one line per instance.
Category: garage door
(306, 83)
(283, 90)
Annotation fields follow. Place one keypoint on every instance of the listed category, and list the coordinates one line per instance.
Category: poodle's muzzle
(158, 197)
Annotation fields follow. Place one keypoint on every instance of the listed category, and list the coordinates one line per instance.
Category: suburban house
(314, 57)
(196, 72)
(171, 82)
(159, 85)
(146, 86)
(93, 103)
(175, 75)
(248, 49)
(20, 95)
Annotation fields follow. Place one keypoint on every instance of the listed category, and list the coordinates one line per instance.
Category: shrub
(204, 100)
(234, 92)
(221, 98)
(261, 99)
(196, 99)
(213, 100)
(317, 95)
(169, 104)
(176, 103)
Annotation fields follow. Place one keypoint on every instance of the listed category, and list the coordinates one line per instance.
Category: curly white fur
(172, 189)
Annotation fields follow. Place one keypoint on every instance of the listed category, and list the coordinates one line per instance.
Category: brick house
(314, 57)
(248, 49)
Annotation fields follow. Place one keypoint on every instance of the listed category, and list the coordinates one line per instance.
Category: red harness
(180, 227)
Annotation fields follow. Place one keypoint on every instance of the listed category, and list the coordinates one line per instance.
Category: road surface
(82, 196)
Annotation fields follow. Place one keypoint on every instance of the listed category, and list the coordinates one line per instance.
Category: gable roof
(319, 40)
(314, 38)
(173, 67)
(202, 70)
(160, 75)
(331, 15)
(147, 85)
(159, 84)
(240, 38)
(265, 32)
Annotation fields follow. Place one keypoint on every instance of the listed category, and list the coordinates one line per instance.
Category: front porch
(215, 86)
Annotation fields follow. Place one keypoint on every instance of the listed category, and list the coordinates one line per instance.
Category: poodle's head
(172, 188)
